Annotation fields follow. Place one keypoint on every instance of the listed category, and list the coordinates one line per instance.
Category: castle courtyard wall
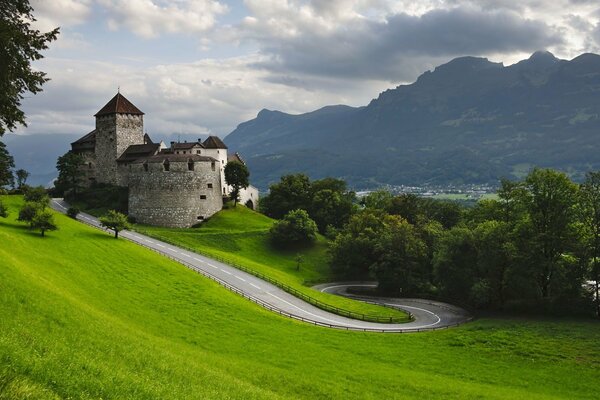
(178, 198)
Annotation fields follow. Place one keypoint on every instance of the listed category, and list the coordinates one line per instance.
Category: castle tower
(119, 124)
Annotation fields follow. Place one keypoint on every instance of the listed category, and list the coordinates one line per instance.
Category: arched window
(212, 165)
(190, 165)
(166, 165)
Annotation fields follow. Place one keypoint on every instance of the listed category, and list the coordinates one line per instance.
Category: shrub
(295, 228)
(36, 194)
(43, 221)
(73, 212)
(3, 210)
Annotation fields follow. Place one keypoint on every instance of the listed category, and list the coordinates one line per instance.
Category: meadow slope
(83, 315)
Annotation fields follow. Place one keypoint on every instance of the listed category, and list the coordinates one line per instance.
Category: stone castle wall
(176, 198)
(114, 133)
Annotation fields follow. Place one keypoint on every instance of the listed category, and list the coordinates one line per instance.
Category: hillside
(239, 236)
(468, 121)
(86, 316)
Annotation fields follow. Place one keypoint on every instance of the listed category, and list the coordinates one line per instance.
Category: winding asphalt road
(427, 315)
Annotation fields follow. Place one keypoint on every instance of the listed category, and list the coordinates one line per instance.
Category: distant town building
(176, 186)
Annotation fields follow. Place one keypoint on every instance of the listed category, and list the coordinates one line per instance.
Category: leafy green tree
(236, 176)
(3, 210)
(295, 228)
(116, 221)
(69, 173)
(400, 259)
(549, 199)
(19, 46)
(354, 249)
(6, 164)
(73, 212)
(495, 258)
(29, 210)
(291, 193)
(408, 206)
(331, 203)
(36, 194)
(447, 213)
(22, 176)
(455, 263)
(378, 200)
(43, 220)
(589, 200)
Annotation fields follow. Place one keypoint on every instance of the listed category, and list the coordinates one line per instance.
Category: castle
(176, 186)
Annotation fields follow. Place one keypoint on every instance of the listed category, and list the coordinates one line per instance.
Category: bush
(36, 194)
(73, 212)
(3, 210)
(295, 228)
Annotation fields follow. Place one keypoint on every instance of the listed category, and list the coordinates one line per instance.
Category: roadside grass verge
(240, 237)
(85, 316)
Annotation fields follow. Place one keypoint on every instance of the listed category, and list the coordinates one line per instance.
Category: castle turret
(119, 124)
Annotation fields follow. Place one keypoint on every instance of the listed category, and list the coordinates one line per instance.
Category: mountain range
(468, 121)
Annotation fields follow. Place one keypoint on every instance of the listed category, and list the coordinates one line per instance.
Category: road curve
(269, 296)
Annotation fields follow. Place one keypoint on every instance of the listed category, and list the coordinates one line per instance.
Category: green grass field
(240, 236)
(84, 316)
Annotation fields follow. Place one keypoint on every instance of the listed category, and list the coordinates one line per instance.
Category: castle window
(210, 186)
(184, 152)
(197, 151)
(212, 165)
(190, 165)
(146, 167)
(222, 161)
(200, 217)
(166, 165)
(90, 165)
(202, 197)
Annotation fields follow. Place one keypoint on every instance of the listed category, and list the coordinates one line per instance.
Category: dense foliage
(327, 201)
(7, 163)
(237, 176)
(69, 169)
(532, 249)
(295, 228)
(19, 46)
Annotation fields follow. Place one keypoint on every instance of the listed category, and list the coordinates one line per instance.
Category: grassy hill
(240, 236)
(85, 316)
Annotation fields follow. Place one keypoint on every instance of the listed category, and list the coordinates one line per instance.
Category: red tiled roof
(119, 105)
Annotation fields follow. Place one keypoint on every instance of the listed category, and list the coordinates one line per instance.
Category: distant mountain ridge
(468, 121)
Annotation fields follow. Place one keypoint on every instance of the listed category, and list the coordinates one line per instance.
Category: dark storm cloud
(397, 47)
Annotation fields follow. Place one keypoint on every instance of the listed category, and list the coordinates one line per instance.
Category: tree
(408, 206)
(378, 200)
(116, 221)
(353, 250)
(22, 176)
(73, 212)
(236, 176)
(589, 200)
(295, 228)
(69, 173)
(28, 212)
(6, 164)
(3, 210)
(36, 194)
(291, 193)
(549, 199)
(19, 46)
(44, 221)
(400, 259)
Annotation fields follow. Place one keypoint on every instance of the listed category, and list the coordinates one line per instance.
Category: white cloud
(208, 96)
(60, 13)
(150, 18)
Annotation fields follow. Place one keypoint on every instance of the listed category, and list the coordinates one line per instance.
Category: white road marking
(227, 272)
(160, 245)
(186, 255)
(309, 313)
(197, 259)
(324, 290)
(240, 278)
(254, 286)
(210, 265)
(421, 309)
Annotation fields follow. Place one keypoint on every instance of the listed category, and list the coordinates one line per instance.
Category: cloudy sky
(204, 66)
